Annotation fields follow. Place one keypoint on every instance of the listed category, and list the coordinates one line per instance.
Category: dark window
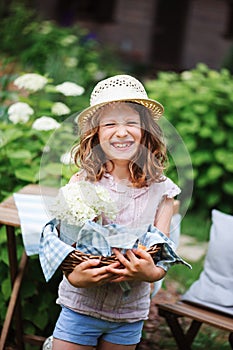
(98, 10)
(229, 28)
(169, 31)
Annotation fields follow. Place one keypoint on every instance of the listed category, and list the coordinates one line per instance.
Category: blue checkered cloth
(96, 239)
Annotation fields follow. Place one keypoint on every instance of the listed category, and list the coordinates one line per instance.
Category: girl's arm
(164, 215)
(139, 265)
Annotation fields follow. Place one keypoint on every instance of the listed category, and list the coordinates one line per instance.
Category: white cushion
(214, 288)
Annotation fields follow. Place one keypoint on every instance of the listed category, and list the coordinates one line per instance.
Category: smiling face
(119, 131)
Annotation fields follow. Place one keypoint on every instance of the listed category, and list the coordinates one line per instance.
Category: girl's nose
(121, 130)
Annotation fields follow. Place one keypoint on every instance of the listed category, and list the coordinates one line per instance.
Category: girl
(121, 147)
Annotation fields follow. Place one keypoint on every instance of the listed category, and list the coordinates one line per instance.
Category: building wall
(131, 31)
(205, 40)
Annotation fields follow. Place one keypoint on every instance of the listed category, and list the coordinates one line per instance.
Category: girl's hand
(139, 266)
(88, 274)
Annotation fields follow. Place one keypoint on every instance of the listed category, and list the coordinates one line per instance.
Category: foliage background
(199, 104)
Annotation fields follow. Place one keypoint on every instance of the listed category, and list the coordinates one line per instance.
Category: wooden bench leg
(231, 339)
(14, 307)
(183, 340)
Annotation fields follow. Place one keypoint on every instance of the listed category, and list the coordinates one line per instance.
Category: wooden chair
(199, 315)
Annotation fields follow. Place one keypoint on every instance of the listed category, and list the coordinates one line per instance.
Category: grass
(196, 225)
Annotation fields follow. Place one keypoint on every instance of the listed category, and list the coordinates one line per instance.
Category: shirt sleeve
(79, 176)
(170, 189)
(52, 250)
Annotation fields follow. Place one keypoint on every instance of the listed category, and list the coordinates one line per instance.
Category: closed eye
(132, 123)
(108, 124)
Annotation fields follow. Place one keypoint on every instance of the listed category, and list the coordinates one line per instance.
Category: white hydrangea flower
(67, 158)
(68, 40)
(100, 75)
(70, 89)
(45, 123)
(71, 62)
(46, 149)
(46, 27)
(31, 81)
(78, 202)
(19, 112)
(20, 108)
(59, 108)
(16, 118)
(186, 75)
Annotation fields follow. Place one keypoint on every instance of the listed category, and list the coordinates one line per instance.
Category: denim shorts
(87, 330)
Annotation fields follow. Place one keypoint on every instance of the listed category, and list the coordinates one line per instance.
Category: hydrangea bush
(40, 107)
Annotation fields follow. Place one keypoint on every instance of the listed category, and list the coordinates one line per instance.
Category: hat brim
(153, 106)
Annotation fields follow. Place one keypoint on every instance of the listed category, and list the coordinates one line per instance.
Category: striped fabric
(33, 216)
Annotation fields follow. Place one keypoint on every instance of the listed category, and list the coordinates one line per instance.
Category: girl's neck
(120, 172)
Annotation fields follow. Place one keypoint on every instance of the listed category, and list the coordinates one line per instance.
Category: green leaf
(228, 188)
(6, 288)
(214, 173)
(4, 256)
(205, 132)
(229, 164)
(53, 169)
(41, 319)
(219, 137)
(200, 158)
(20, 154)
(28, 289)
(213, 198)
(229, 119)
(25, 174)
(220, 155)
(10, 135)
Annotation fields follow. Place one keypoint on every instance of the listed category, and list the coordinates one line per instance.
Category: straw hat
(119, 88)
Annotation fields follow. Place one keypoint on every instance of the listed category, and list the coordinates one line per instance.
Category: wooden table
(10, 219)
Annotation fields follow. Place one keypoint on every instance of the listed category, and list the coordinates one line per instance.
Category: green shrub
(198, 103)
(45, 47)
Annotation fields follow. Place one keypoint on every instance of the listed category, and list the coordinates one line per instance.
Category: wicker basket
(76, 257)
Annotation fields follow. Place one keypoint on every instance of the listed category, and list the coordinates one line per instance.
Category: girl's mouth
(122, 145)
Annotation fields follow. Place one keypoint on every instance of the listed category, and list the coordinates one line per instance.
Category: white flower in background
(71, 62)
(70, 89)
(186, 75)
(67, 158)
(31, 81)
(46, 149)
(16, 119)
(45, 123)
(20, 108)
(59, 108)
(46, 27)
(68, 40)
(78, 202)
(19, 112)
(99, 75)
